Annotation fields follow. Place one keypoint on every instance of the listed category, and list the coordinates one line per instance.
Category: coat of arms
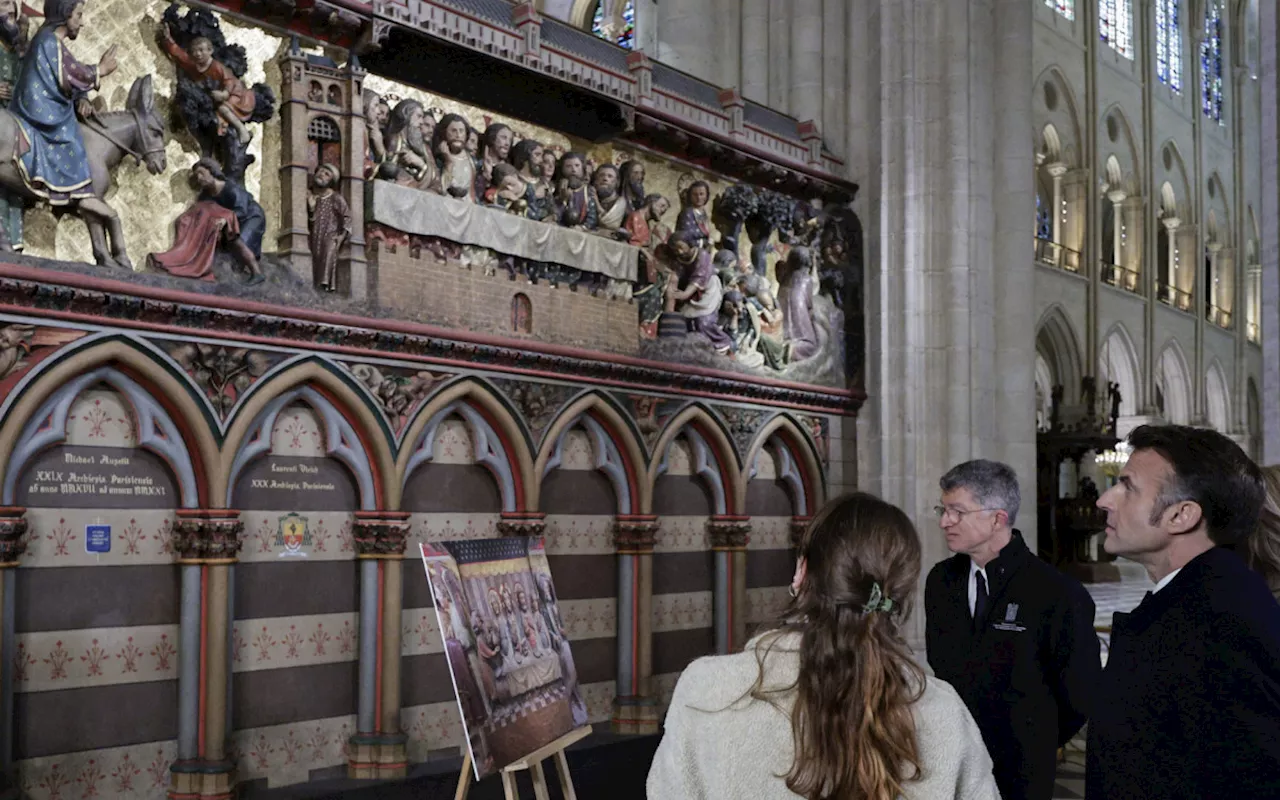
(293, 535)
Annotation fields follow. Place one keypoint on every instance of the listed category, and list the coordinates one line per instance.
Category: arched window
(1211, 62)
(1066, 8)
(1115, 25)
(621, 29)
(324, 142)
(1169, 43)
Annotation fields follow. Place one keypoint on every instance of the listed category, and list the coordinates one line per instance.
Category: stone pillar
(1116, 197)
(377, 749)
(780, 55)
(635, 709)
(207, 545)
(1214, 250)
(1171, 263)
(754, 73)
(13, 543)
(834, 84)
(1057, 211)
(729, 536)
(688, 37)
(291, 240)
(806, 59)
(941, 144)
(352, 262)
(1269, 221)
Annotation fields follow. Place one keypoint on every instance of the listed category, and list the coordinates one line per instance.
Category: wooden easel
(533, 763)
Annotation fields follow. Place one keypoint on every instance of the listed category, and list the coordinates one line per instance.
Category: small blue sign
(97, 538)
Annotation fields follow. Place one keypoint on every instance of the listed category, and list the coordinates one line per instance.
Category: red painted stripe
(358, 426)
(377, 679)
(517, 477)
(633, 486)
(204, 654)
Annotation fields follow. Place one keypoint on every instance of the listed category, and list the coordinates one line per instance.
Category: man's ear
(1186, 517)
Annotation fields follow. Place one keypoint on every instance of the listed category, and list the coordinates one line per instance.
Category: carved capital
(380, 534)
(798, 526)
(635, 535)
(13, 535)
(522, 525)
(207, 535)
(729, 533)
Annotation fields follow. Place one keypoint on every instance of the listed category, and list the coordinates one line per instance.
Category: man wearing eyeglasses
(1013, 635)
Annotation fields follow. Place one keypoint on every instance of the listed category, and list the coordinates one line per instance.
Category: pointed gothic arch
(1123, 146)
(501, 444)
(177, 410)
(1173, 379)
(332, 386)
(1217, 398)
(803, 470)
(1057, 342)
(1171, 169)
(1118, 362)
(619, 452)
(721, 469)
(1056, 106)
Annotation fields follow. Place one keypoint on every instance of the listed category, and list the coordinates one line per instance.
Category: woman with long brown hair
(829, 705)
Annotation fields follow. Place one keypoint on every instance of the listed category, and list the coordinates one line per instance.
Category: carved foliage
(223, 373)
(521, 527)
(13, 532)
(196, 538)
(743, 424)
(538, 402)
(397, 392)
(728, 534)
(380, 536)
(635, 535)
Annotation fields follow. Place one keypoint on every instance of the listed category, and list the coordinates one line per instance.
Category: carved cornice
(635, 535)
(116, 302)
(729, 533)
(13, 535)
(380, 534)
(206, 536)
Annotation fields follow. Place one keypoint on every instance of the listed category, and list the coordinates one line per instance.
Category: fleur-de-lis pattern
(139, 537)
(682, 535)
(453, 443)
(297, 432)
(101, 417)
(135, 772)
(681, 612)
(275, 642)
(449, 527)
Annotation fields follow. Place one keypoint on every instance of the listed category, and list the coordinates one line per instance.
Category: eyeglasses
(942, 512)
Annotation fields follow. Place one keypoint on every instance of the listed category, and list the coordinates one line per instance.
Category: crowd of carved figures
(692, 280)
(760, 277)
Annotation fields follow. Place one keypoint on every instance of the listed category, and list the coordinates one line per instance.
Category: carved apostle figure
(694, 215)
(574, 198)
(631, 177)
(699, 295)
(550, 164)
(224, 214)
(526, 156)
(646, 228)
(796, 300)
(457, 167)
(495, 146)
(612, 208)
(507, 191)
(409, 160)
(330, 223)
(376, 116)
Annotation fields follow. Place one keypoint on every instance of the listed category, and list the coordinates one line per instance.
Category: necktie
(980, 603)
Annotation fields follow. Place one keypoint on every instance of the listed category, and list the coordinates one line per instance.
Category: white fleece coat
(717, 746)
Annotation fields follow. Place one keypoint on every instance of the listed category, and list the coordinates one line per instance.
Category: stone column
(635, 709)
(1214, 250)
(687, 37)
(729, 536)
(754, 53)
(355, 144)
(378, 747)
(780, 55)
(1057, 211)
(941, 144)
(13, 543)
(835, 88)
(1116, 197)
(1269, 220)
(1171, 263)
(292, 238)
(806, 60)
(207, 545)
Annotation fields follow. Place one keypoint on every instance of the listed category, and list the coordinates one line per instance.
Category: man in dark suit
(1189, 704)
(1013, 635)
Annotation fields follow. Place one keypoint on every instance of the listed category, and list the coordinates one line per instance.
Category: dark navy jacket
(1028, 672)
(1189, 704)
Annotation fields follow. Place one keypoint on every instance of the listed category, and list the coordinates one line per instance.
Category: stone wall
(483, 299)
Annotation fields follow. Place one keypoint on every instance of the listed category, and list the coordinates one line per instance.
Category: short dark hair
(993, 484)
(1208, 469)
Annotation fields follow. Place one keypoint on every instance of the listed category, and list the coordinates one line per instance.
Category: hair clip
(878, 601)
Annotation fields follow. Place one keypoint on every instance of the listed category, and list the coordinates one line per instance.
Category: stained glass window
(1066, 8)
(1169, 43)
(1211, 62)
(623, 38)
(1115, 25)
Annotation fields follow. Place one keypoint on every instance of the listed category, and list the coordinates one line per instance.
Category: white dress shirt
(1165, 580)
(974, 569)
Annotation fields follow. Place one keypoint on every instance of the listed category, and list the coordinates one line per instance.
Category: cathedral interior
(331, 280)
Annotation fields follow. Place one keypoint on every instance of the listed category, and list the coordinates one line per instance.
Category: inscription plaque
(79, 476)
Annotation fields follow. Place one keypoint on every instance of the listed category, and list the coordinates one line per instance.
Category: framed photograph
(506, 645)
